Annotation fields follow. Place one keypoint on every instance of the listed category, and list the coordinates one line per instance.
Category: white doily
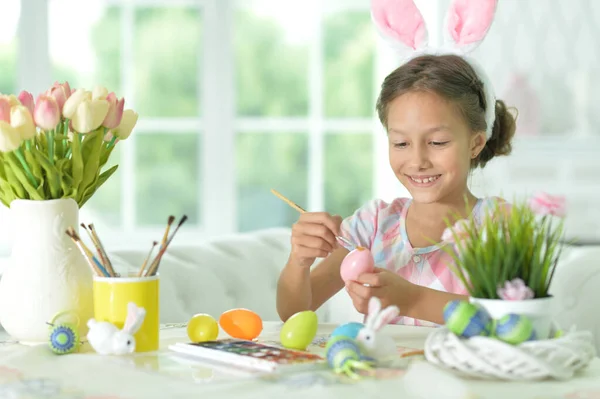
(490, 358)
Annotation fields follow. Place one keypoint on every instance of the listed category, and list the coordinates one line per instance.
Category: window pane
(348, 185)
(105, 204)
(166, 61)
(266, 161)
(86, 51)
(167, 182)
(9, 19)
(271, 60)
(349, 64)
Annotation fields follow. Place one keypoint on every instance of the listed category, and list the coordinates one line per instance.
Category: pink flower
(46, 113)
(459, 228)
(4, 110)
(26, 99)
(115, 111)
(61, 92)
(546, 204)
(515, 290)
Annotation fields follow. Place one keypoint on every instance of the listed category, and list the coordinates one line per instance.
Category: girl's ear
(477, 144)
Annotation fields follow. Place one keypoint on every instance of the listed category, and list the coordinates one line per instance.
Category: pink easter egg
(357, 262)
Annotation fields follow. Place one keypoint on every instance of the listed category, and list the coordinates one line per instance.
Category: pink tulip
(60, 92)
(115, 111)
(46, 113)
(26, 99)
(545, 204)
(515, 290)
(4, 110)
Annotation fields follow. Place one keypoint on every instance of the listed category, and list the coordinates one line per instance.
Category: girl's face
(431, 147)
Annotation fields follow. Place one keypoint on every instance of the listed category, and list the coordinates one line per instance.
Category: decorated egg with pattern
(466, 319)
(357, 262)
(514, 329)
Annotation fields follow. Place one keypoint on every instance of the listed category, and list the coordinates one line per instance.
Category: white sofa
(241, 270)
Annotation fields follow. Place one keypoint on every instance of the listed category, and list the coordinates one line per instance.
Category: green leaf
(7, 195)
(77, 160)
(52, 173)
(91, 152)
(15, 166)
(101, 180)
(15, 184)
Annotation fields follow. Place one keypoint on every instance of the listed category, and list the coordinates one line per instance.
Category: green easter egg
(466, 319)
(299, 330)
(515, 329)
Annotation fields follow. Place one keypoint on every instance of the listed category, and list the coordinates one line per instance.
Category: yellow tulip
(99, 93)
(21, 119)
(73, 102)
(12, 99)
(10, 139)
(127, 124)
(89, 115)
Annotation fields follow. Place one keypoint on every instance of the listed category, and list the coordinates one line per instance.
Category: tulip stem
(21, 159)
(28, 145)
(112, 142)
(51, 146)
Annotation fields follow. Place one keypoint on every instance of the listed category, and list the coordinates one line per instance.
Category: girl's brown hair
(452, 78)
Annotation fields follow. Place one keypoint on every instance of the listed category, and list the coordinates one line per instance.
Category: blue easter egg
(349, 330)
(514, 329)
(466, 319)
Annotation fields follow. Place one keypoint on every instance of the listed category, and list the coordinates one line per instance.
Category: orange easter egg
(241, 324)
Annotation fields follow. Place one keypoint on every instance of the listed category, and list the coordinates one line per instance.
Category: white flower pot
(539, 310)
(47, 274)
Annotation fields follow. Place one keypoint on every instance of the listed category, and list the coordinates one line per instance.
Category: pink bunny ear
(468, 22)
(135, 318)
(400, 23)
(386, 316)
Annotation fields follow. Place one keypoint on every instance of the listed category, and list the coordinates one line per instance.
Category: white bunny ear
(400, 24)
(135, 318)
(467, 23)
(385, 317)
(373, 311)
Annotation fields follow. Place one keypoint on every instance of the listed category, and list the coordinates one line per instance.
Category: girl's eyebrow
(428, 131)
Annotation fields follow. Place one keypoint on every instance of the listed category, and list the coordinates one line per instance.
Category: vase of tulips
(507, 261)
(53, 151)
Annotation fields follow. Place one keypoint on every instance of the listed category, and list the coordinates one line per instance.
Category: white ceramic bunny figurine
(107, 339)
(372, 341)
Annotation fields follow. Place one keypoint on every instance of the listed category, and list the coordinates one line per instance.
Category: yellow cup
(111, 296)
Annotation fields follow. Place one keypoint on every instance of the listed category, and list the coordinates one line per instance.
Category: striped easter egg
(466, 319)
(514, 329)
(341, 349)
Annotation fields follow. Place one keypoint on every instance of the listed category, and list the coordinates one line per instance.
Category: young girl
(434, 110)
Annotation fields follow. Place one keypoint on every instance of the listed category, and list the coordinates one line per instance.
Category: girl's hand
(313, 236)
(390, 288)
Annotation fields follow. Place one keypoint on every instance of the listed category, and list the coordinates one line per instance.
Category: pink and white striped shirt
(381, 227)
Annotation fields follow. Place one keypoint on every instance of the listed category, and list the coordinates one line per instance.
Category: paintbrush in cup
(154, 266)
(166, 235)
(302, 210)
(88, 255)
(102, 251)
(141, 272)
(98, 250)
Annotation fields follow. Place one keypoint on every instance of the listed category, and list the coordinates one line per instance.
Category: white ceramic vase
(47, 273)
(539, 310)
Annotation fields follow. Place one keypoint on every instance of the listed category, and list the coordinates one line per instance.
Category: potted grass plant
(507, 260)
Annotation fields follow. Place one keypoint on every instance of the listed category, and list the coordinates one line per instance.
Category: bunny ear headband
(403, 28)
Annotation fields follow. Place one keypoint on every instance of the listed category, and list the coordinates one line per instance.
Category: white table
(35, 372)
